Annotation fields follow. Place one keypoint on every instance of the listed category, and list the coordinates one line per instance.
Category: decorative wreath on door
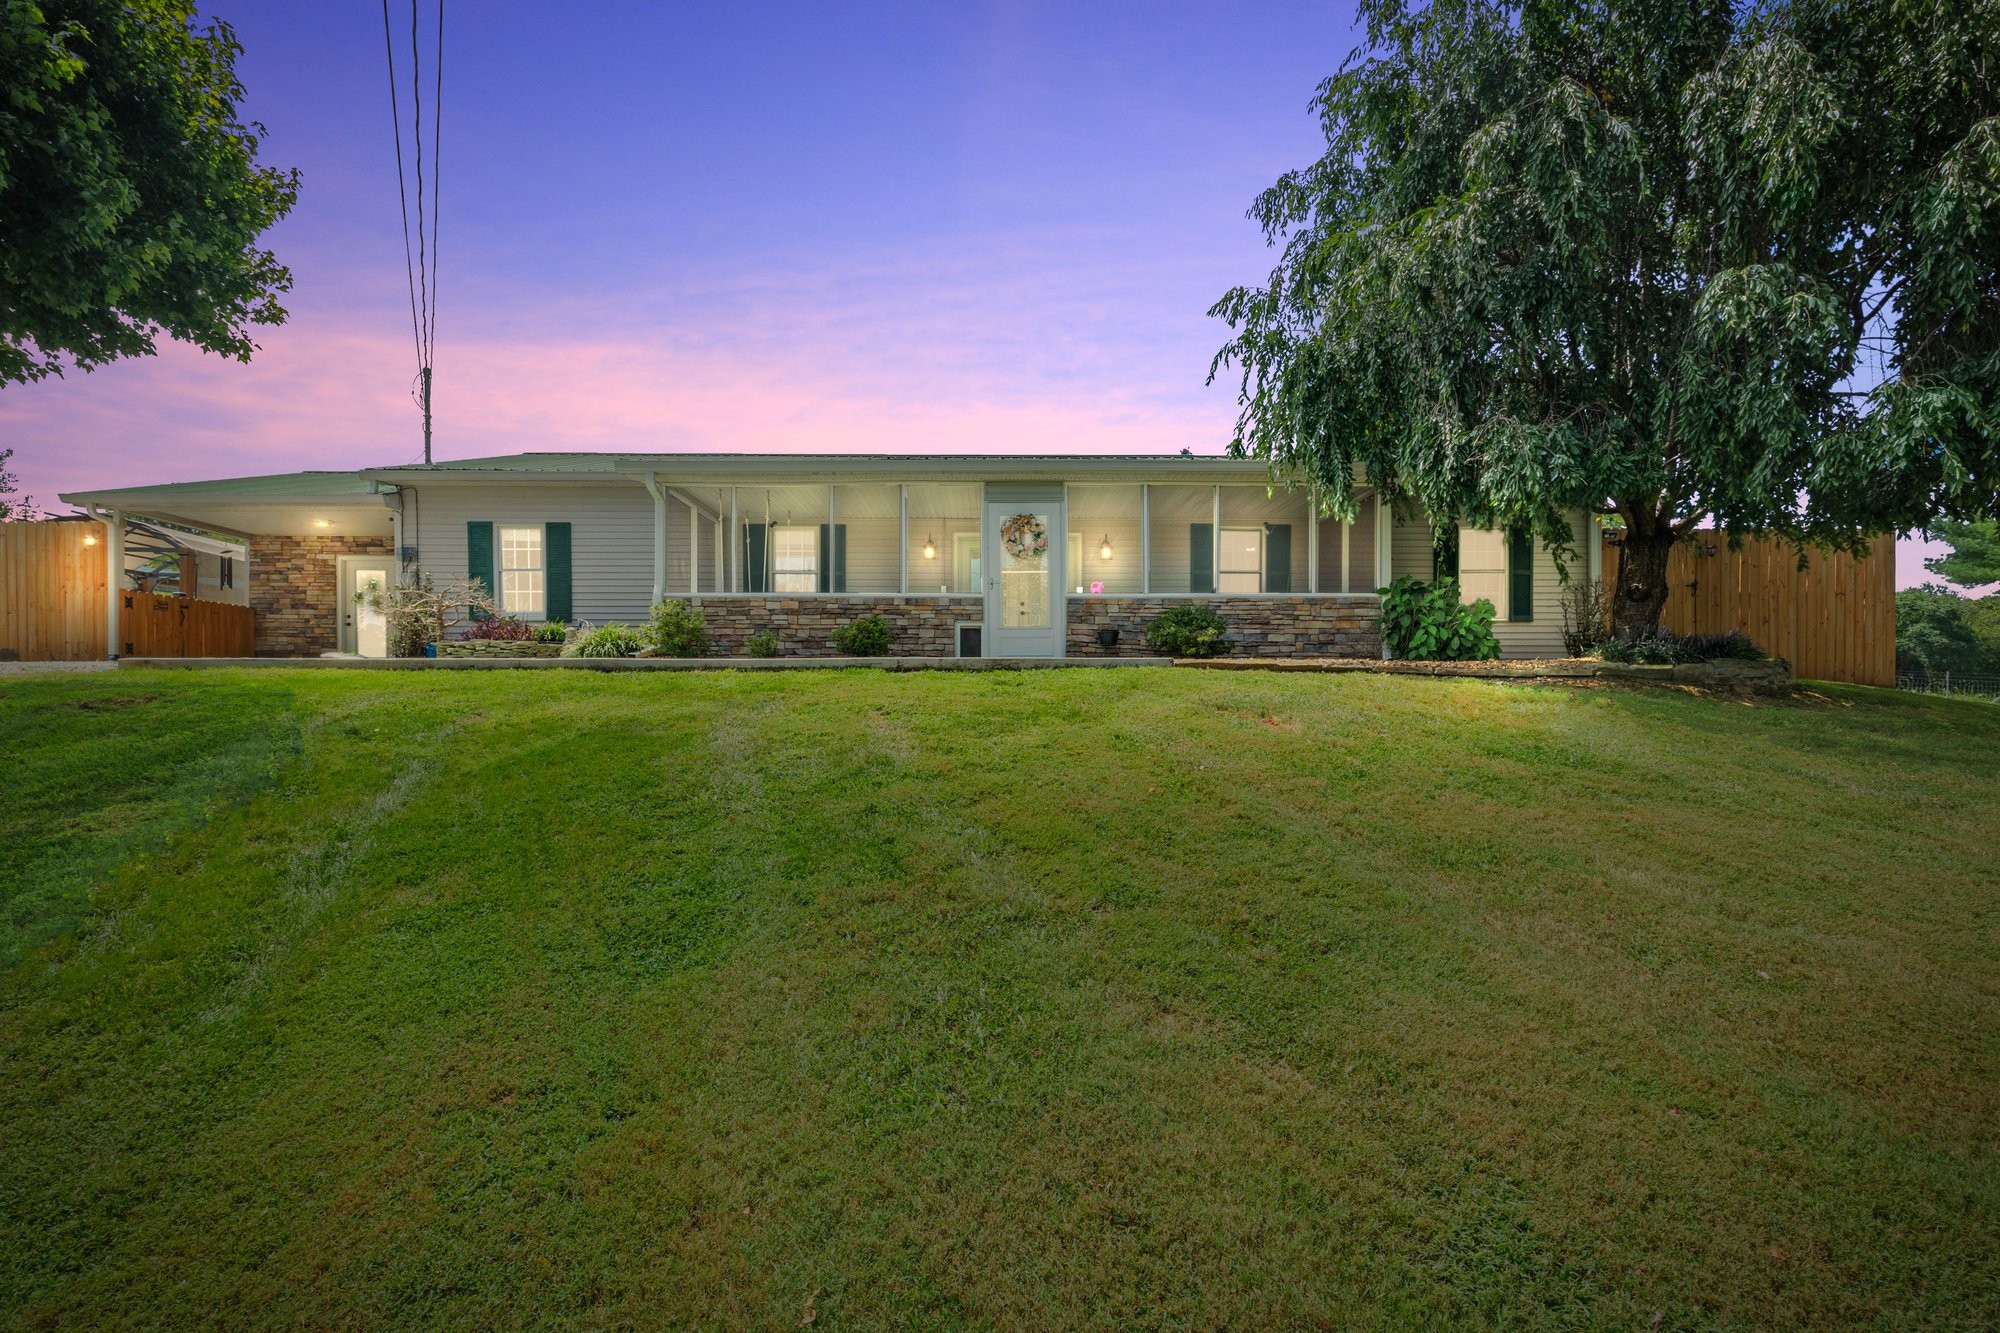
(1025, 536)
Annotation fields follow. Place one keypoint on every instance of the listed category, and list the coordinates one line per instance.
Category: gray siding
(611, 535)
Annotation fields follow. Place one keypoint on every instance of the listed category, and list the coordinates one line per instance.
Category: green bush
(1428, 623)
(1661, 647)
(551, 631)
(866, 637)
(678, 630)
(1192, 629)
(761, 644)
(605, 641)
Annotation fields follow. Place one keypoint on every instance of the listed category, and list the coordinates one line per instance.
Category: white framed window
(523, 587)
(1241, 568)
(795, 559)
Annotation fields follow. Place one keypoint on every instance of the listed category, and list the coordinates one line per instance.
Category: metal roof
(277, 488)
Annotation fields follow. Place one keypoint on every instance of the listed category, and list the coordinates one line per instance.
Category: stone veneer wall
(1328, 625)
(918, 626)
(294, 589)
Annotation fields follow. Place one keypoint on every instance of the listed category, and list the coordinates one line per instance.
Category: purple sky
(979, 227)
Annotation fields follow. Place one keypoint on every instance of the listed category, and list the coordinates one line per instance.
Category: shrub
(866, 637)
(605, 641)
(511, 629)
(1660, 647)
(1190, 630)
(761, 644)
(1586, 617)
(1428, 623)
(551, 631)
(678, 630)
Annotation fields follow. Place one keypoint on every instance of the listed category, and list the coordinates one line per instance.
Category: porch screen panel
(1279, 521)
(781, 537)
(871, 518)
(1106, 518)
(945, 555)
(1181, 517)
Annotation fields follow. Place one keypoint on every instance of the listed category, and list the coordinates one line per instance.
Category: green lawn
(1152, 998)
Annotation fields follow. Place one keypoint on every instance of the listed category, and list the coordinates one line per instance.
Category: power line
(420, 255)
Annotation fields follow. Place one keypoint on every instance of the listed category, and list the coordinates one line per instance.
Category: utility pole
(427, 415)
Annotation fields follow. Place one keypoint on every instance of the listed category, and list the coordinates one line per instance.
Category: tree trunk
(1639, 594)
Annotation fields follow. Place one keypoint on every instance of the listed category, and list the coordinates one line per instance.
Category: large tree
(1975, 553)
(130, 198)
(1684, 263)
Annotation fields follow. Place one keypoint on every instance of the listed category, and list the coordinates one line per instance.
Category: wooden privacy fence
(1835, 619)
(150, 625)
(51, 592)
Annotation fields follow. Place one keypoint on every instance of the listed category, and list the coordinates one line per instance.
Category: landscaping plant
(613, 640)
(509, 629)
(866, 637)
(1428, 623)
(551, 631)
(1662, 647)
(1192, 629)
(1586, 616)
(761, 644)
(678, 630)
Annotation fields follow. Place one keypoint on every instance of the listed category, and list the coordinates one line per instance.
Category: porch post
(1385, 518)
(694, 549)
(114, 578)
(1215, 541)
(903, 538)
(1346, 556)
(735, 545)
(1312, 539)
(1146, 538)
(659, 537)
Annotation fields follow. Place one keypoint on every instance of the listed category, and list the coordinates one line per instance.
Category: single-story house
(987, 555)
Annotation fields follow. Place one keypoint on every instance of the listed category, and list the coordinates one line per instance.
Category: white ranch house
(800, 544)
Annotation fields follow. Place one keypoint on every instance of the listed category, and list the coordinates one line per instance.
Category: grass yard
(1139, 998)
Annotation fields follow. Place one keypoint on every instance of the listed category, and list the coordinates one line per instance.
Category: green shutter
(1520, 575)
(1277, 557)
(555, 563)
(833, 558)
(479, 558)
(755, 560)
(1201, 557)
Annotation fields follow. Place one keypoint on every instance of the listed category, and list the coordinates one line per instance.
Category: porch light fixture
(930, 548)
(1104, 550)
(90, 539)
(322, 522)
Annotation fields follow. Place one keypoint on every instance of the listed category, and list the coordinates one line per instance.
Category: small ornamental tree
(1686, 264)
(421, 611)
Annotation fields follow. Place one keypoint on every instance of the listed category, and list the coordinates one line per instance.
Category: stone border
(498, 648)
(1772, 676)
(640, 663)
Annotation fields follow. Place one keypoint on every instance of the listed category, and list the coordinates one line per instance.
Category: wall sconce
(1104, 550)
(90, 539)
(322, 523)
(930, 548)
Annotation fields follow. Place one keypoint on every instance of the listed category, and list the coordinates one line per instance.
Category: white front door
(364, 631)
(1025, 545)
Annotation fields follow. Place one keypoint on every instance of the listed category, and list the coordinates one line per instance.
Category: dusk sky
(942, 228)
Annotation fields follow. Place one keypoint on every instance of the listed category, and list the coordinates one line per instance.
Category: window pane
(521, 591)
(945, 554)
(795, 559)
(520, 548)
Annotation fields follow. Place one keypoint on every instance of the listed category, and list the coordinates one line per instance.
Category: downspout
(659, 537)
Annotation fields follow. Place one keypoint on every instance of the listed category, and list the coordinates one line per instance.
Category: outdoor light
(322, 523)
(90, 539)
(930, 548)
(1104, 551)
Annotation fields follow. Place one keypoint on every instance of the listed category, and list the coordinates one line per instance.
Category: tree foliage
(12, 504)
(1645, 259)
(1938, 631)
(130, 198)
(1975, 552)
